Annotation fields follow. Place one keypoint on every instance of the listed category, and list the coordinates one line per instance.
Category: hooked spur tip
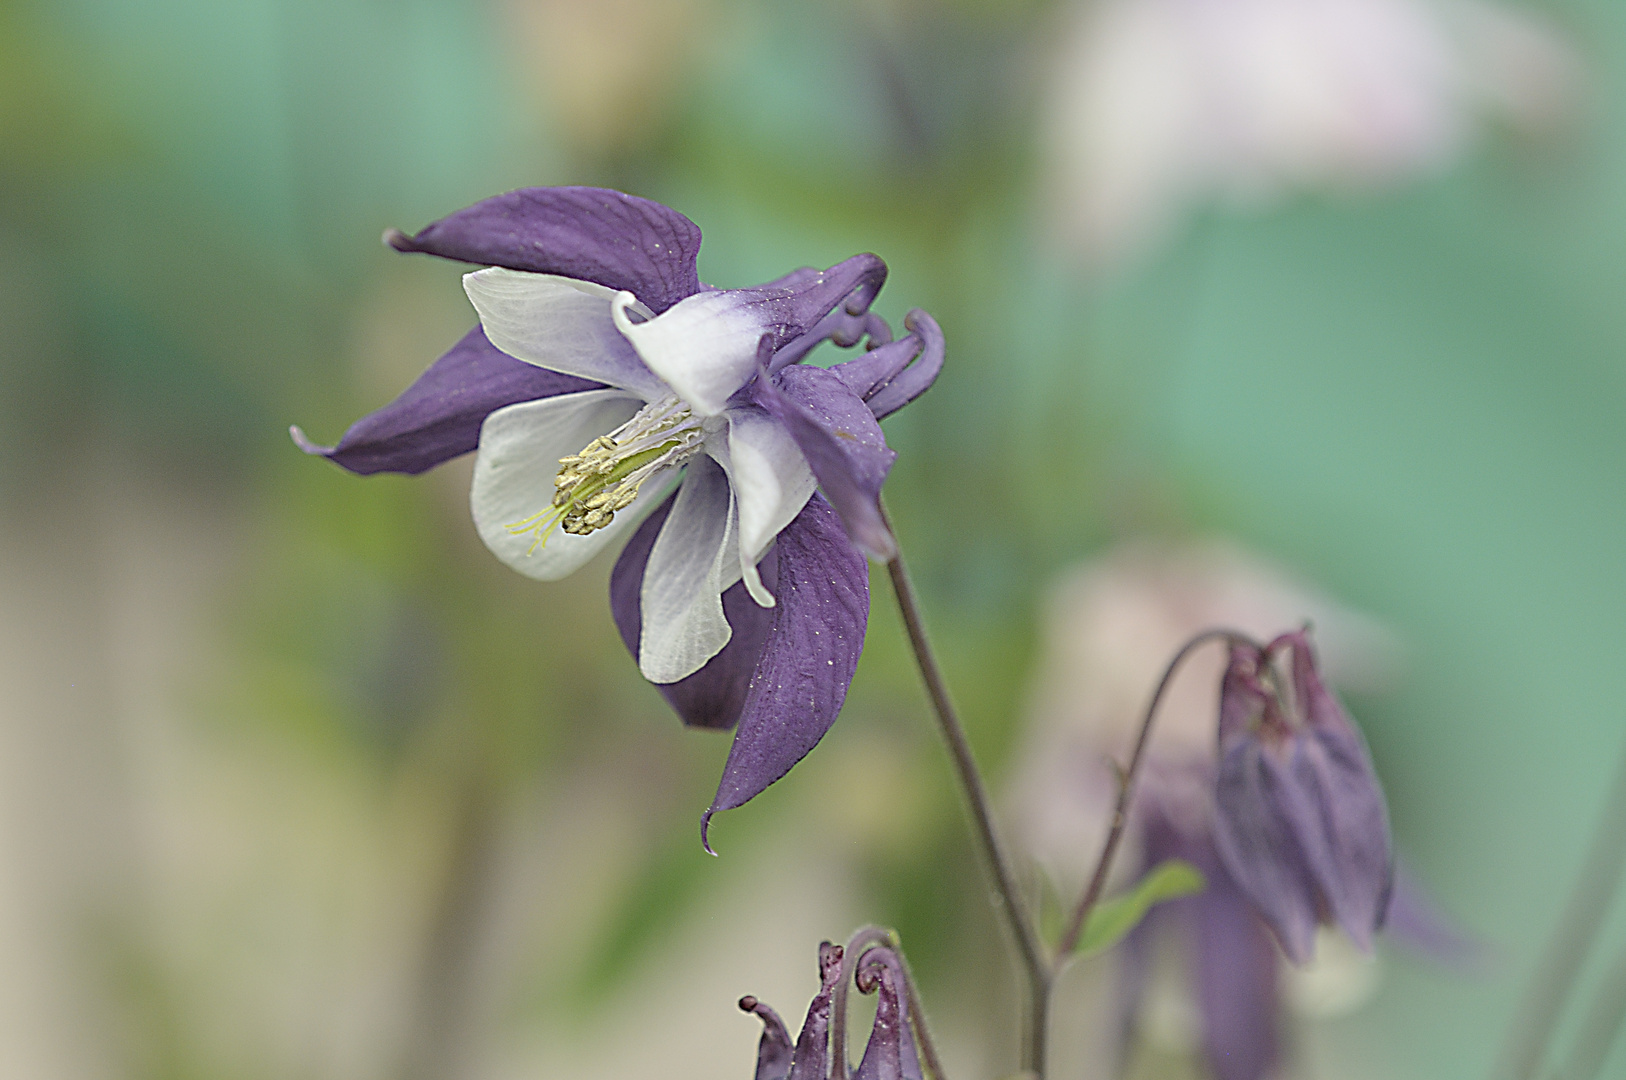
(400, 241)
(705, 827)
(748, 1003)
(304, 442)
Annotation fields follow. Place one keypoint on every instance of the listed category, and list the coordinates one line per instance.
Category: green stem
(1126, 786)
(1009, 902)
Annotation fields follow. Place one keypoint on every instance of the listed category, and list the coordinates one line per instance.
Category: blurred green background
(297, 781)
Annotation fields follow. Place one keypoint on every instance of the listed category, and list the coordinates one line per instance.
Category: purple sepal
(801, 679)
(813, 1046)
(773, 1049)
(1256, 796)
(843, 444)
(591, 234)
(1300, 820)
(1236, 984)
(891, 376)
(438, 417)
(1416, 921)
(713, 696)
(890, 1053)
(1235, 964)
(1350, 843)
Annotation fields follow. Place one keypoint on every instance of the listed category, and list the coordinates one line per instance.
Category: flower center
(608, 472)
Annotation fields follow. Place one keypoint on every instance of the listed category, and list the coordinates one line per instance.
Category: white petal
(772, 482)
(694, 559)
(514, 471)
(705, 346)
(561, 324)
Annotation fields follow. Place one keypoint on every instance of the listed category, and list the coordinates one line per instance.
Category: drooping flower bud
(1300, 819)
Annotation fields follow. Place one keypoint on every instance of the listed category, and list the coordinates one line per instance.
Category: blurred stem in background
(447, 972)
(1560, 966)
(1601, 1026)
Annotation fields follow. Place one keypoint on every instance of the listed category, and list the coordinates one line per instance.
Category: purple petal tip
(400, 241)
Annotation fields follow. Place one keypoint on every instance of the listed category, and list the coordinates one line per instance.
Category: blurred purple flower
(1300, 822)
(604, 373)
(1113, 627)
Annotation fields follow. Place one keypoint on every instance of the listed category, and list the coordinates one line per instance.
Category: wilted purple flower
(1112, 629)
(1300, 821)
(602, 375)
(891, 1053)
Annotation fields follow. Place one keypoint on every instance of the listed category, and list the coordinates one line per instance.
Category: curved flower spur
(603, 375)
(898, 1040)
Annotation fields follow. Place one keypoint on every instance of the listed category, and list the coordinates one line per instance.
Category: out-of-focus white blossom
(1159, 105)
(1339, 980)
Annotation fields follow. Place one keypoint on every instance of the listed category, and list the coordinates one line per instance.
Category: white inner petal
(772, 482)
(705, 346)
(514, 472)
(693, 561)
(561, 324)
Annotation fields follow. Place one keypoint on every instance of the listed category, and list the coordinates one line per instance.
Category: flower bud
(1300, 820)
(890, 1054)
(776, 1059)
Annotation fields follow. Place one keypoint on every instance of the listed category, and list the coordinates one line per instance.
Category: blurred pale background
(296, 781)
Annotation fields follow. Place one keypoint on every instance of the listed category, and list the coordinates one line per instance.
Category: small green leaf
(1114, 918)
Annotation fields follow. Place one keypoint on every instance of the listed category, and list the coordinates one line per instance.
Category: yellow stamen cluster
(608, 473)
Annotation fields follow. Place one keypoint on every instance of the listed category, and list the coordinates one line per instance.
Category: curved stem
(1126, 785)
(917, 1016)
(1035, 965)
(862, 939)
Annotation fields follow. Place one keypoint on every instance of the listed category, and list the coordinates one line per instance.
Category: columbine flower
(1159, 105)
(1301, 822)
(603, 374)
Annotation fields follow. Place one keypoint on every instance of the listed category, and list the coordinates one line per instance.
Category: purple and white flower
(610, 396)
